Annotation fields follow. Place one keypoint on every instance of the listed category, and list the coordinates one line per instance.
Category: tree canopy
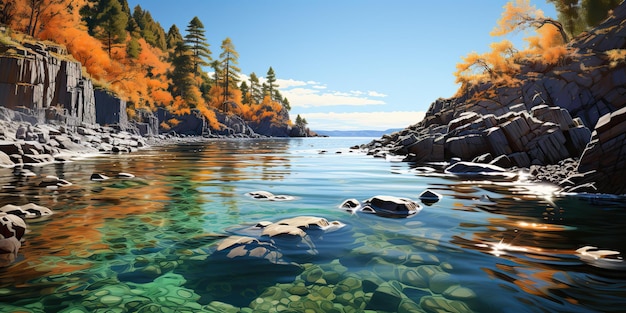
(130, 54)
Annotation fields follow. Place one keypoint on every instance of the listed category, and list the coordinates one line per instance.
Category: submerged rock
(266, 195)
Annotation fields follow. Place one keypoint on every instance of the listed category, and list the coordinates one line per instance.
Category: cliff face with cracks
(43, 81)
(556, 113)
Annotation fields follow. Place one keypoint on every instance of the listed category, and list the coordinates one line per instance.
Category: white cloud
(376, 94)
(307, 94)
(362, 120)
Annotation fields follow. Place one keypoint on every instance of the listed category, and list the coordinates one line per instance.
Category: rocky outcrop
(110, 110)
(43, 81)
(545, 119)
(602, 167)
(24, 141)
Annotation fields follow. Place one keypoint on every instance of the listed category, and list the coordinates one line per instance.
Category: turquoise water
(150, 244)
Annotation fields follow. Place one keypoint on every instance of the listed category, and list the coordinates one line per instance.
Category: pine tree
(173, 37)
(110, 23)
(256, 94)
(197, 43)
(229, 60)
(133, 48)
(217, 72)
(245, 92)
(182, 81)
(271, 82)
(286, 104)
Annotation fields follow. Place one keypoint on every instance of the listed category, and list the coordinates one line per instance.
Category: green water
(149, 244)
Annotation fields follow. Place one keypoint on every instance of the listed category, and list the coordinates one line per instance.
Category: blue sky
(348, 64)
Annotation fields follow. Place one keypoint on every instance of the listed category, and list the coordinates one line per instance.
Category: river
(151, 243)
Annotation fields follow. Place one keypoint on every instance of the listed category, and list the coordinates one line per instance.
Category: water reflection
(143, 243)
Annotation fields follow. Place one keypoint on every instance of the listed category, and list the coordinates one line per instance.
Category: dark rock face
(46, 86)
(602, 167)
(188, 124)
(110, 110)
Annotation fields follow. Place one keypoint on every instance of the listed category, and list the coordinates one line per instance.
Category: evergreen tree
(217, 72)
(256, 94)
(229, 60)
(301, 122)
(133, 48)
(580, 15)
(110, 23)
(245, 92)
(151, 31)
(182, 80)
(173, 37)
(271, 82)
(198, 45)
(286, 104)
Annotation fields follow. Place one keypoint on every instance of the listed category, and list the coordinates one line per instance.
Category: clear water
(148, 244)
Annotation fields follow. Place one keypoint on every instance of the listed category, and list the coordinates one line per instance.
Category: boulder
(390, 206)
(603, 162)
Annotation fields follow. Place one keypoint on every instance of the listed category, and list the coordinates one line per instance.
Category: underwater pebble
(111, 300)
(439, 304)
(458, 292)
(440, 282)
(298, 290)
(411, 277)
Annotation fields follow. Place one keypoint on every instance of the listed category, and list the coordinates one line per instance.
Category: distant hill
(356, 133)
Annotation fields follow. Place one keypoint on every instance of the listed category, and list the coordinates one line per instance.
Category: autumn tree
(229, 60)
(7, 11)
(519, 14)
(37, 10)
(198, 45)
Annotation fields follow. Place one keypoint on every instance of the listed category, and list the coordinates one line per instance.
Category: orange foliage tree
(502, 63)
(137, 71)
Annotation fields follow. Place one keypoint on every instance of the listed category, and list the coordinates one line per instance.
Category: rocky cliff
(545, 119)
(42, 80)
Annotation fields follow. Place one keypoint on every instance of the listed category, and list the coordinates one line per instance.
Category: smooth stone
(110, 300)
(458, 292)
(440, 282)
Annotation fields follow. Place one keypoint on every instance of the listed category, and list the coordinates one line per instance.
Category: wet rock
(125, 175)
(603, 164)
(390, 206)
(429, 197)
(98, 177)
(37, 210)
(266, 195)
(12, 226)
(53, 182)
